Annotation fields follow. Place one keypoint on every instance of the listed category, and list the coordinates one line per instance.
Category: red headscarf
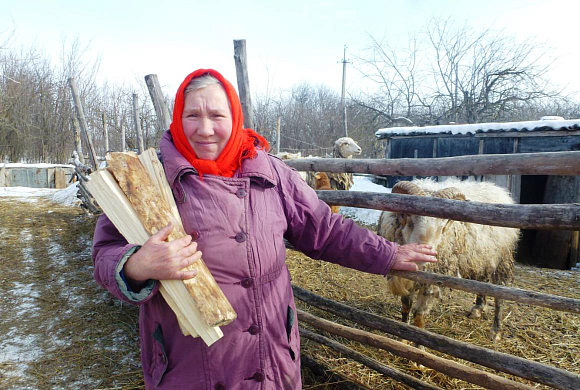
(241, 145)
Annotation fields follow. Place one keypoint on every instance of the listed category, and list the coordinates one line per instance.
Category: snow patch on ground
(369, 217)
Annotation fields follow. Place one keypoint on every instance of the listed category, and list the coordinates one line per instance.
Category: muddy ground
(62, 331)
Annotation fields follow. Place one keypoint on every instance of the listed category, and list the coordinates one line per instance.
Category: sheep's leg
(479, 308)
(406, 304)
(495, 332)
(425, 300)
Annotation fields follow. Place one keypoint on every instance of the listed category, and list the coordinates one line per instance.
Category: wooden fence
(547, 217)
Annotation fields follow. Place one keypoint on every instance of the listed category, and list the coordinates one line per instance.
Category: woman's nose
(205, 127)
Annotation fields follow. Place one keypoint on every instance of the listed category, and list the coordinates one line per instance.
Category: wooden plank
(118, 208)
(106, 191)
(155, 214)
(547, 163)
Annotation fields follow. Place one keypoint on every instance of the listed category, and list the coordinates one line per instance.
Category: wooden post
(161, 109)
(83, 122)
(240, 59)
(77, 138)
(278, 136)
(106, 130)
(123, 140)
(137, 124)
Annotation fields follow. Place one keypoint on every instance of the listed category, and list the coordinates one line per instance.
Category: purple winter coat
(239, 224)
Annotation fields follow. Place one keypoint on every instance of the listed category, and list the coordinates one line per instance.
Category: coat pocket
(292, 333)
(158, 358)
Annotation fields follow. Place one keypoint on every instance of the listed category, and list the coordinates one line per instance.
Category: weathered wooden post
(278, 136)
(82, 121)
(161, 109)
(77, 138)
(106, 130)
(241, 61)
(137, 124)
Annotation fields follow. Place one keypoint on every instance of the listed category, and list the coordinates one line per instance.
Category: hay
(64, 331)
(534, 333)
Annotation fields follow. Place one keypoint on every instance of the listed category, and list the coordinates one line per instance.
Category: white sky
(288, 42)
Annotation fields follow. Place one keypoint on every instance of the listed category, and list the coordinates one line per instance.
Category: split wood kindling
(134, 194)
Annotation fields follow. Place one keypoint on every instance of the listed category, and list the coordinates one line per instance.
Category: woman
(238, 204)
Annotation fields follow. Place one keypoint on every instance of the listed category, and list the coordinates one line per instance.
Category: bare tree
(454, 74)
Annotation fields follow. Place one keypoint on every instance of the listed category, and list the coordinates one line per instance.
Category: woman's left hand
(409, 255)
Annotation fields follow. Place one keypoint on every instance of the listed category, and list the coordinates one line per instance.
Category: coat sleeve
(320, 234)
(110, 253)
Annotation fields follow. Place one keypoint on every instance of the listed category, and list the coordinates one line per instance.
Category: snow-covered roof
(548, 123)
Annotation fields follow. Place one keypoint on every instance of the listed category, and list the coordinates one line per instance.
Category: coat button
(254, 329)
(241, 193)
(220, 386)
(247, 282)
(194, 235)
(240, 237)
(258, 377)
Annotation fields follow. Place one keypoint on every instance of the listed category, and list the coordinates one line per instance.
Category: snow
(365, 216)
(554, 123)
(66, 196)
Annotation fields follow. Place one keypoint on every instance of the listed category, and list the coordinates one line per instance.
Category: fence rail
(546, 163)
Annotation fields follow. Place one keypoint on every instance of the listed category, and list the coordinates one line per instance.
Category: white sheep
(344, 147)
(471, 251)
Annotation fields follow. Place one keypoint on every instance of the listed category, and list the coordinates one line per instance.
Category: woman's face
(207, 121)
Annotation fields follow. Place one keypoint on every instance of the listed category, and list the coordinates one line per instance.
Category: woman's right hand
(162, 260)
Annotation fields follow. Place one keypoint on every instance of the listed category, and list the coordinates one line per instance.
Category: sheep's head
(424, 229)
(347, 147)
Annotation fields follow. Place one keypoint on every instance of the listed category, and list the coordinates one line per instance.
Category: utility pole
(342, 102)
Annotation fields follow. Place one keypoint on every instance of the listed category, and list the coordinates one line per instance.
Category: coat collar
(259, 169)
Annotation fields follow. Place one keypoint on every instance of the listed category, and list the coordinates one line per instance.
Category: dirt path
(59, 329)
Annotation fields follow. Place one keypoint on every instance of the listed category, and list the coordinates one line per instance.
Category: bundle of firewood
(134, 194)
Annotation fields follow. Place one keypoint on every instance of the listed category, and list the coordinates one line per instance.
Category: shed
(35, 175)
(552, 249)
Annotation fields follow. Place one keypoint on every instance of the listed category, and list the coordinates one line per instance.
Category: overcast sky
(288, 42)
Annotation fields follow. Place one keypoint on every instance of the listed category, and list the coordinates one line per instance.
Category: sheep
(344, 147)
(467, 250)
(322, 183)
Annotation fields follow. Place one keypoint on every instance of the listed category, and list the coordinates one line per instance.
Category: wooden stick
(407, 379)
(448, 367)
(555, 302)
(498, 361)
(546, 163)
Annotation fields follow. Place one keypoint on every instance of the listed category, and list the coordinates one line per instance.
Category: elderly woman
(238, 204)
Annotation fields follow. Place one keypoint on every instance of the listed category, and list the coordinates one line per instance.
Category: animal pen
(549, 218)
(552, 217)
